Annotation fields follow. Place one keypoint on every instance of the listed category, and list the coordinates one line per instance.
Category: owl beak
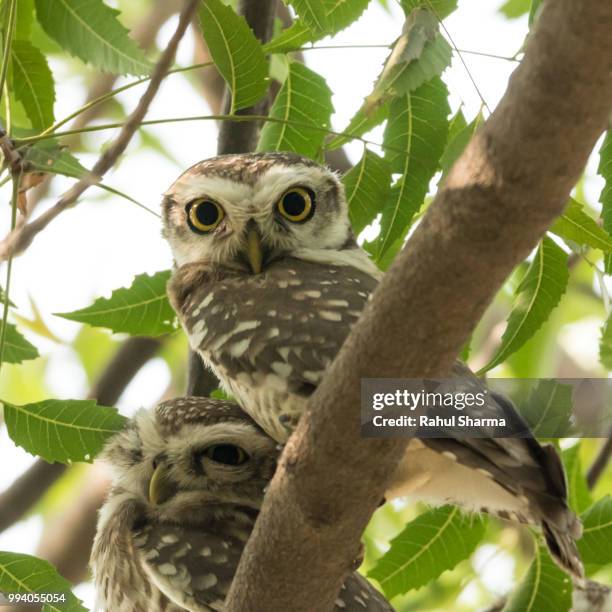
(254, 248)
(161, 487)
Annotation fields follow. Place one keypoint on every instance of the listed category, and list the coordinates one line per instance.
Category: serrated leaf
(304, 100)
(62, 430)
(54, 159)
(605, 344)
(548, 409)
(360, 123)
(545, 587)
(313, 13)
(537, 296)
(457, 143)
(579, 495)
(367, 188)
(442, 8)
(594, 545)
(142, 309)
(16, 348)
(26, 574)
(413, 143)
(513, 9)
(236, 52)
(90, 30)
(430, 544)
(605, 171)
(576, 225)
(418, 55)
(32, 83)
(339, 13)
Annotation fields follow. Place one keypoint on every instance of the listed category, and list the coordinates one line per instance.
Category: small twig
(601, 461)
(19, 240)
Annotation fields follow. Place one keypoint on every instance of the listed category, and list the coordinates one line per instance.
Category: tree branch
(18, 240)
(511, 182)
(236, 138)
(601, 461)
(26, 490)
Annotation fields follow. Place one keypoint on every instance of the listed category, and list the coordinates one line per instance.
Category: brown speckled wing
(288, 322)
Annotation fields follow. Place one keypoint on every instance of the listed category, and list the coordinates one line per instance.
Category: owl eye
(227, 454)
(297, 204)
(204, 215)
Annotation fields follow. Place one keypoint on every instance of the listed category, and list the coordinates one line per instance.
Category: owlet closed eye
(297, 204)
(203, 216)
(226, 454)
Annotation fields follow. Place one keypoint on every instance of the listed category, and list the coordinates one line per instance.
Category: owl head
(244, 211)
(189, 456)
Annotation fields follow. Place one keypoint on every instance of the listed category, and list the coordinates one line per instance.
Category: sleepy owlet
(268, 282)
(189, 478)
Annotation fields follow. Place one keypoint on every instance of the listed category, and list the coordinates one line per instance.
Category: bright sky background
(104, 242)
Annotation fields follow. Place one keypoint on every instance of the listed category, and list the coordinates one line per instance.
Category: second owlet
(269, 281)
(189, 479)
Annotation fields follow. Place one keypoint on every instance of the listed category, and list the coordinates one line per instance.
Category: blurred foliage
(545, 322)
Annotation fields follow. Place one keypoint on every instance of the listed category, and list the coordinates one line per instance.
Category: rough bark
(504, 191)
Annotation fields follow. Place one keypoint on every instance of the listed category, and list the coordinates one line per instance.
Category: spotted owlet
(268, 282)
(189, 479)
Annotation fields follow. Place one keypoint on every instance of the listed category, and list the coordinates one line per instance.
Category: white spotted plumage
(305, 290)
(173, 528)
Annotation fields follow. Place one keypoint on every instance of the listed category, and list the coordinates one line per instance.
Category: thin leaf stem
(112, 94)
(12, 10)
(9, 266)
(238, 118)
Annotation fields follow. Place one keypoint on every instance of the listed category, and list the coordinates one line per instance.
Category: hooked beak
(161, 487)
(254, 248)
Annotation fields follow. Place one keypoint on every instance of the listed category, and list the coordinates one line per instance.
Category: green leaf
(303, 101)
(605, 344)
(313, 13)
(32, 83)
(538, 294)
(142, 309)
(545, 587)
(414, 141)
(23, 19)
(576, 225)
(513, 9)
(367, 187)
(16, 348)
(339, 15)
(605, 171)
(62, 430)
(457, 143)
(430, 544)
(594, 546)
(418, 55)
(442, 8)
(90, 30)
(54, 159)
(548, 409)
(26, 574)
(579, 495)
(236, 52)
(361, 123)
(534, 11)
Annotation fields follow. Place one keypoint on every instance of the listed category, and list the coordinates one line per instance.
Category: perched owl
(268, 282)
(189, 478)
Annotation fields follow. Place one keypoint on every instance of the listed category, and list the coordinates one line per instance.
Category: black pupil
(207, 213)
(227, 454)
(294, 203)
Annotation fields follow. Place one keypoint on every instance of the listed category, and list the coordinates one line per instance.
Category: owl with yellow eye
(269, 280)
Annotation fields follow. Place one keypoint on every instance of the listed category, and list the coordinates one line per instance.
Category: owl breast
(270, 337)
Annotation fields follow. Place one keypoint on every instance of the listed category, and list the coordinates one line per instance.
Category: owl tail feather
(562, 545)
